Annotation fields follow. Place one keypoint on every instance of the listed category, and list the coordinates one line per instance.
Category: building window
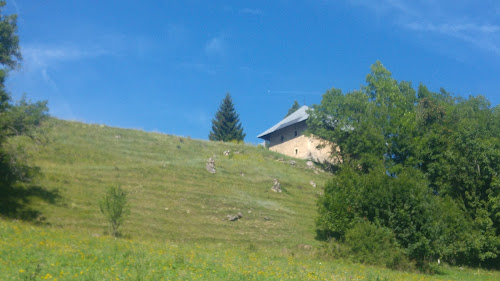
(296, 151)
(282, 138)
(295, 133)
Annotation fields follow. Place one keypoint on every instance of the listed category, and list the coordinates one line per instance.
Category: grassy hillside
(177, 229)
(172, 195)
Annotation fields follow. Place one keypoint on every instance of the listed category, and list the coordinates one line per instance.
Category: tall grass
(30, 252)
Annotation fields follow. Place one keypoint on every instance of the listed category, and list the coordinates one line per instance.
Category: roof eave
(277, 127)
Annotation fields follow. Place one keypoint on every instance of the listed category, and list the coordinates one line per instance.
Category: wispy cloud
(197, 117)
(38, 59)
(200, 67)
(215, 46)
(16, 7)
(485, 37)
(48, 80)
(39, 62)
(250, 11)
(453, 28)
(44, 56)
(467, 21)
(244, 11)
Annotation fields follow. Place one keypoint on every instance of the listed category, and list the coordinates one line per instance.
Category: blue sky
(166, 65)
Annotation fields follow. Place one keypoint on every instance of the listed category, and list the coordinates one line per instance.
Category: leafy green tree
(403, 204)
(115, 208)
(424, 165)
(294, 108)
(10, 53)
(226, 125)
(19, 119)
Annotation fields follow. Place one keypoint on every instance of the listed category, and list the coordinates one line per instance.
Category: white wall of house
(291, 141)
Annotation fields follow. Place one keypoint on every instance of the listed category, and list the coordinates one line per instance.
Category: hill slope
(172, 195)
(178, 227)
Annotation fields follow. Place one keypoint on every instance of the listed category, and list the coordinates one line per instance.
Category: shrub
(371, 244)
(114, 207)
(402, 204)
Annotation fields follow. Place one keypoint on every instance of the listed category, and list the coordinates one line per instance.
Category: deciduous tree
(22, 118)
(425, 165)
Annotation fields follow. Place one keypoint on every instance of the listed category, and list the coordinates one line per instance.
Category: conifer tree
(292, 109)
(226, 125)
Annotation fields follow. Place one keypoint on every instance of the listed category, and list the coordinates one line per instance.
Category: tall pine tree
(226, 125)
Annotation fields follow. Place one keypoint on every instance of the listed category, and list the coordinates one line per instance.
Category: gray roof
(294, 118)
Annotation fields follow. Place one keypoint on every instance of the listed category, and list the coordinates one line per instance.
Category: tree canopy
(424, 165)
(226, 125)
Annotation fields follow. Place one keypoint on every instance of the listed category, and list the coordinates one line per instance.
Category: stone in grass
(292, 163)
(305, 247)
(210, 166)
(227, 152)
(312, 183)
(235, 217)
(276, 186)
(310, 164)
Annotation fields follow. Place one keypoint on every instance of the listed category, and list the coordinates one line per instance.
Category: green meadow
(52, 228)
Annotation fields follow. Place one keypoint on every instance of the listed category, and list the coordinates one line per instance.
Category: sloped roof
(294, 118)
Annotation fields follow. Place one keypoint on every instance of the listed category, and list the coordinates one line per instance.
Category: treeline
(419, 179)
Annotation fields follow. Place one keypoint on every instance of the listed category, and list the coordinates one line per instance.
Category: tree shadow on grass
(15, 201)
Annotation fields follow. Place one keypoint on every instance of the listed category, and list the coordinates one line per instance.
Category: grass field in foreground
(30, 252)
(177, 228)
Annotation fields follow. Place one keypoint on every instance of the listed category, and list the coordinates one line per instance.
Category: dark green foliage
(226, 125)
(294, 108)
(115, 208)
(10, 52)
(424, 165)
(368, 243)
(403, 204)
(21, 119)
(371, 244)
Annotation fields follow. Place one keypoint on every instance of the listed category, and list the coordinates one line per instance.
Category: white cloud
(215, 46)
